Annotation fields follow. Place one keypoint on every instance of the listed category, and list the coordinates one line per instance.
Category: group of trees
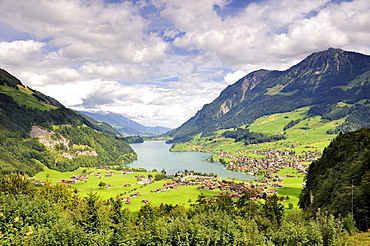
(339, 181)
(251, 137)
(356, 115)
(54, 215)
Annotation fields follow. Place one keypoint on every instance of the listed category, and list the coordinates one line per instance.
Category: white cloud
(160, 67)
(20, 52)
(231, 78)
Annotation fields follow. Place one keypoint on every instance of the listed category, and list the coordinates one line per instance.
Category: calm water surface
(156, 155)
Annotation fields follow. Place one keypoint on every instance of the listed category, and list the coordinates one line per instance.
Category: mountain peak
(321, 79)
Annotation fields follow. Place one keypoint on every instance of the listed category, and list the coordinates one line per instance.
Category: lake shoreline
(156, 155)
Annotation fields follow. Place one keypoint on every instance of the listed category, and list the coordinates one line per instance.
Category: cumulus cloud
(20, 52)
(159, 61)
(231, 78)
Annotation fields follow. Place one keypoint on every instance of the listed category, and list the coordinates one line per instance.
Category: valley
(303, 143)
(294, 142)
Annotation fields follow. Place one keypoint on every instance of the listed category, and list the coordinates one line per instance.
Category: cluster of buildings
(231, 188)
(74, 179)
(268, 160)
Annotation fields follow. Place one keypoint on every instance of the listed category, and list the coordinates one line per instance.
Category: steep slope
(334, 83)
(36, 130)
(339, 182)
(126, 126)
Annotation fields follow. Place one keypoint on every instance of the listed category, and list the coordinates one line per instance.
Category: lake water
(156, 155)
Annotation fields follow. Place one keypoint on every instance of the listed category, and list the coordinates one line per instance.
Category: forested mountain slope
(339, 182)
(333, 83)
(61, 139)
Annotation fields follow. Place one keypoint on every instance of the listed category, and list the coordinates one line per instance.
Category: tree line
(54, 215)
(248, 137)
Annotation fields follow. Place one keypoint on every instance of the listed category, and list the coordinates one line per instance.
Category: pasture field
(124, 185)
(23, 96)
(185, 195)
(292, 187)
(310, 131)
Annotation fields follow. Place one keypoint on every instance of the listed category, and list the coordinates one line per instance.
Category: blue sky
(158, 62)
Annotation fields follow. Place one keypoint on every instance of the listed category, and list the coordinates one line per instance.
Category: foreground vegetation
(54, 215)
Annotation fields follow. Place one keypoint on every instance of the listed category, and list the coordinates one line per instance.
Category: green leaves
(339, 180)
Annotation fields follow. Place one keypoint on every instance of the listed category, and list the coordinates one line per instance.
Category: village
(270, 163)
(234, 189)
(264, 164)
(230, 188)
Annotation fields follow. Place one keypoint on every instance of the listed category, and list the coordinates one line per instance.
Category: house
(272, 191)
(38, 182)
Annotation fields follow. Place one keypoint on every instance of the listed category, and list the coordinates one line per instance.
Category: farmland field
(184, 195)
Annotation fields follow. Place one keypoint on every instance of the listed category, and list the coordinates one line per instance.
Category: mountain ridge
(322, 79)
(124, 125)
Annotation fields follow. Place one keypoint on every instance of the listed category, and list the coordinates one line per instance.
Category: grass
(292, 187)
(308, 132)
(23, 96)
(185, 195)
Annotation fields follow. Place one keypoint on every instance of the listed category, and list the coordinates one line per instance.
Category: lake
(156, 155)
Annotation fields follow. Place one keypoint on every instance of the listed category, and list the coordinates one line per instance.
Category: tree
(14, 184)
(102, 184)
(273, 209)
(158, 177)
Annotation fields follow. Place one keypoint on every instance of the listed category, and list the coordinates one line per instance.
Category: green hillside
(309, 131)
(37, 131)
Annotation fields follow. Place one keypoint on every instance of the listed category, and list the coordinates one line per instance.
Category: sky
(158, 62)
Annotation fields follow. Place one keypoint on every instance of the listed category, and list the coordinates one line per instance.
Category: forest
(339, 181)
(54, 215)
(251, 137)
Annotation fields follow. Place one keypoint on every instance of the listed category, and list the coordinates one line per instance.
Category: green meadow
(292, 187)
(184, 195)
(23, 96)
(308, 132)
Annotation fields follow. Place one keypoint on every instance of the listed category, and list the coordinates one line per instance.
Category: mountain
(334, 83)
(37, 131)
(339, 181)
(101, 126)
(126, 126)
